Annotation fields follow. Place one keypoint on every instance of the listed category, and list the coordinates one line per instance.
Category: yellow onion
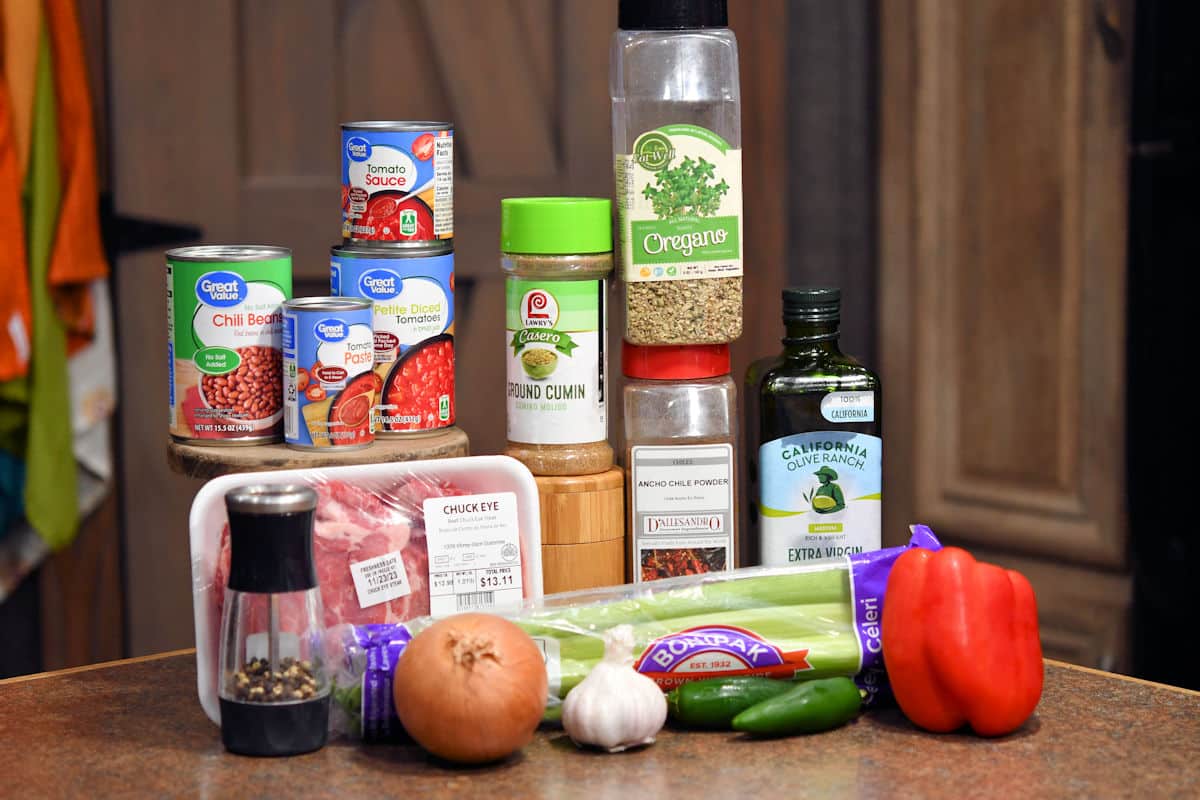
(471, 688)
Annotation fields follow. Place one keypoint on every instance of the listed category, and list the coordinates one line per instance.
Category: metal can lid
(228, 252)
(424, 249)
(289, 498)
(327, 304)
(397, 125)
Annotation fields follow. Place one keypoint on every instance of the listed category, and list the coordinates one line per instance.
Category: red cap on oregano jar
(674, 362)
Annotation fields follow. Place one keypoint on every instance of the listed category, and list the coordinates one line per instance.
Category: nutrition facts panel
(443, 186)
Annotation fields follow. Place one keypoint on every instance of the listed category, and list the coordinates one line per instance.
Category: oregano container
(678, 166)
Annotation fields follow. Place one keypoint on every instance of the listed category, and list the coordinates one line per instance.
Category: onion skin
(471, 688)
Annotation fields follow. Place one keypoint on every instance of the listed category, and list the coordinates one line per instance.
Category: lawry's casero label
(679, 206)
(555, 361)
(821, 495)
(329, 382)
(397, 182)
(412, 295)
(224, 315)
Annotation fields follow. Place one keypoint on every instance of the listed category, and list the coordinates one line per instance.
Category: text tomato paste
(412, 292)
(330, 383)
(397, 182)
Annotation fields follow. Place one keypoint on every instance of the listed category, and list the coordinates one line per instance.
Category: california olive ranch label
(679, 201)
(555, 353)
(821, 496)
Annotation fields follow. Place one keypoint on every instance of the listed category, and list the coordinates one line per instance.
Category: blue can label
(413, 302)
(329, 384)
(397, 186)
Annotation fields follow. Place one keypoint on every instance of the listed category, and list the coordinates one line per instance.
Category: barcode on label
(475, 600)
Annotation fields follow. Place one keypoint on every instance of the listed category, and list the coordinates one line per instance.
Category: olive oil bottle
(815, 441)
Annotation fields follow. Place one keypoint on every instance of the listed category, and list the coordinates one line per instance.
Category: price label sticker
(380, 579)
(474, 552)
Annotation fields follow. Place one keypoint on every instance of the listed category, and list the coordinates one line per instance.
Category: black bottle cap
(270, 538)
(812, 304)
(667, 15)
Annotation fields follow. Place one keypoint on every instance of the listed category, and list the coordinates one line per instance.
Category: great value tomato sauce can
(397, 182)
(224, 317)
(412, 292)
(329, 384)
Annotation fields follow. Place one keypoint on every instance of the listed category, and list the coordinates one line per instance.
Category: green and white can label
(821, 496)
(223, 342)
(556, 361)
(679, 205)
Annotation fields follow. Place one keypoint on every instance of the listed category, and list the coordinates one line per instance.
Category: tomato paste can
(397, 182)
(224, 318)
(413, 295)
(329, 384)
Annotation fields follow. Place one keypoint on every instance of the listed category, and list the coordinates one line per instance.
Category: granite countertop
(136, 728)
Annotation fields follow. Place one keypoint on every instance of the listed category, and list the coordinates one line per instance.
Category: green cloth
(39, 405)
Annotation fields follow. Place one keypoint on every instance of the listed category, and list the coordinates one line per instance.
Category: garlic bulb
(615, 707)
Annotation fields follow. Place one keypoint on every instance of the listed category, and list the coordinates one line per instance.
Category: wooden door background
(225, 115)
(1002, 295)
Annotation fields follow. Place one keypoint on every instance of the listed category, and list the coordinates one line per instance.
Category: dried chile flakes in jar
(681, 440)
(556, 253)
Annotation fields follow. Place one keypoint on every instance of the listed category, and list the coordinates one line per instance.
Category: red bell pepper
(960, 642)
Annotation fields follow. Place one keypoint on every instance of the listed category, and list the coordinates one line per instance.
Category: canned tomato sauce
(397, 182)
(329, 384)
(413, 296)
(223, 342)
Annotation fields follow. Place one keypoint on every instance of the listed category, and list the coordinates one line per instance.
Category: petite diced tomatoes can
(412, 292)
(223, 342)
(329, 381)
(397, 182)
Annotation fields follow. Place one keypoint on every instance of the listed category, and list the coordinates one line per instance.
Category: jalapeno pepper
(713, 703)
(808, 707)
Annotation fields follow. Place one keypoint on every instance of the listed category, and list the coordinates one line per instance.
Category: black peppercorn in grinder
(274, 688)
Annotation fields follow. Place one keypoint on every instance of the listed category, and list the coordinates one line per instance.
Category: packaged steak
(391, 542)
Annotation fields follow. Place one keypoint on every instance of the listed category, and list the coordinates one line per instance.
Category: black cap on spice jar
(812, 304)
(666, 15)
(270, 538)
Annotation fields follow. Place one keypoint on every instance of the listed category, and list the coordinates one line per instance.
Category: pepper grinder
(274, 687)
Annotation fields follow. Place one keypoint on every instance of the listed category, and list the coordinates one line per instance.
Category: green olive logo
(653, 151)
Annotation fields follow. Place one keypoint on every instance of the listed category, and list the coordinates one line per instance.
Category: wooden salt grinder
(583, 530)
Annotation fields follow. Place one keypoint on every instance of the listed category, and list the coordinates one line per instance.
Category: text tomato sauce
(397, 182)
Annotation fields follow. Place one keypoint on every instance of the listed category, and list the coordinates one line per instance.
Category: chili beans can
(413, 296)
(224, 318)
(397, 182)
(329, 386)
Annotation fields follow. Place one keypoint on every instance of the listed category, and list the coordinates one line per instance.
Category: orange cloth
(15, 312)
(78, 255)
(22, 21)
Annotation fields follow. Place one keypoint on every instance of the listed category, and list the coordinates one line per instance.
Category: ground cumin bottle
(681, 435)
(556, 253)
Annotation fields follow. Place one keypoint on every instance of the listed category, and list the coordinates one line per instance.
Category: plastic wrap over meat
(370, 517)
